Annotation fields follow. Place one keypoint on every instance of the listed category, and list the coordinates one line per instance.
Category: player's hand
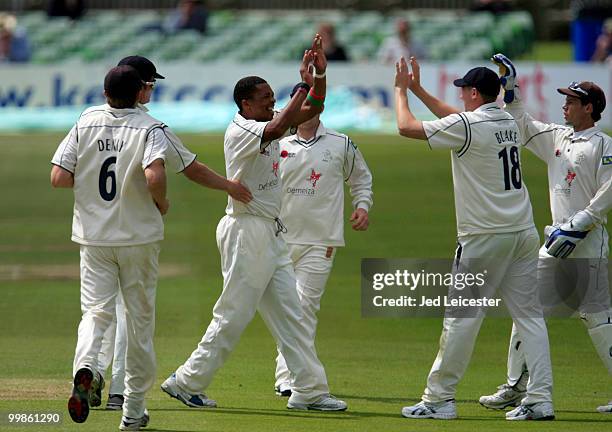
(238, 191)
(163, 206)
(561, 241)
(403, 78)
(360, 220)
(306, 71)
(507, 76)
(416, 73)
(319, 58)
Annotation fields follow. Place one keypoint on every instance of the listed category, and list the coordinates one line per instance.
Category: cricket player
(315, 163)
(115, 337)
(114, 159)
(496, 234)
(257, 270)
(579, 159)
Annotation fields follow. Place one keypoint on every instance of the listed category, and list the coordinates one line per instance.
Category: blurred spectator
(494, 6)
(333, 50)
(188, 15)
(73, 9)
(603, 46)
(400, 45)
(14, 45)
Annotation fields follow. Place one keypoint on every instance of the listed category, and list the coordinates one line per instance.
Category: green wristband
(313, 101)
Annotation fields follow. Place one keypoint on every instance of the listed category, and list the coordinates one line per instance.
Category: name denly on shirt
(110, 145)
(504, 136)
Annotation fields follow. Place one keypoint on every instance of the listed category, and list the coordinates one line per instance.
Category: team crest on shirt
(275, 168)
(557, 153)
(314, 177)
(569, 178)
(580, 158)
(327, 156)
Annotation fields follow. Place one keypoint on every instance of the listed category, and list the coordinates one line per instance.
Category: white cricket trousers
(562, 283)
(114, 346)
(257, 276)
(131, 271)
(312, 265)
(510, 261)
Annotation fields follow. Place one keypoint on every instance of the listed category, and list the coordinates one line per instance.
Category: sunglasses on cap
(575, 86)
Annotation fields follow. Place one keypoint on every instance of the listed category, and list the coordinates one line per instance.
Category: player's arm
(407, 124)
(601, 203)
(308, 100)
(199, 173)
(64, 161)
(61, 177)
(537, 136)
(155, 175)
(358, 176)
(436, 106)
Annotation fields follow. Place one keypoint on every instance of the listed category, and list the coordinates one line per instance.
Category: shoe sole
(286, 393)
(309, 408)
(502, 407)
(436, 416)
(178, 397)
(114, 407)
(78, 404)
(545, 418)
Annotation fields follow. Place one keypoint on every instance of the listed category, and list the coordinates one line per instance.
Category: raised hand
(507, 76)
(320, 60)
(306, 71)
(403, 78)
(416, 73)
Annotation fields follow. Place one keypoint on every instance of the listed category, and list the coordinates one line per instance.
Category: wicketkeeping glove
(507, 76)
(562, 240)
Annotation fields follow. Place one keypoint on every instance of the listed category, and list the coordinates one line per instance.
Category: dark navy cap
(482, 79)
(143, 65)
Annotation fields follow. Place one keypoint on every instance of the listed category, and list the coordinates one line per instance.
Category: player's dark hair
(121, 86)
(488, 98)
(596, 116)
(245, 87)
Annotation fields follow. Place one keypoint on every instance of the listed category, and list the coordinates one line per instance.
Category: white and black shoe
(445, 410)
(605, 409)
(536, 411)
(505, 396)
(198, 400)
(283, 390)
(115, 402)
(325, 403)
(129, 424)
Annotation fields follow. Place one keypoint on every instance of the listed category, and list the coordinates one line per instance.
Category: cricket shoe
(114, 402)
(605, 409)
(445, 410)
(78, 404)
(97, 385)
(536, 411)
(325, 403)
(200, 400)
(128, 423)
(283, 390)
(505, 396)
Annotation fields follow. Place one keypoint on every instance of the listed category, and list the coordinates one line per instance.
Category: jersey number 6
(512, 174)
(105, 174)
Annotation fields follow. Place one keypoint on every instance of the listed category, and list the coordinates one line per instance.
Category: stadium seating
(271, 35)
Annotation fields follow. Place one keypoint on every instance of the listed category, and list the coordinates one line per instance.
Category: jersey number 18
(512, 168)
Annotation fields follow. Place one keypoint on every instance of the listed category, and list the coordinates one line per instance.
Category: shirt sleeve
(450, 132)
(358, 176)
(163, 144)
(66, 154)
(538, 137)
(601, 203)
(246, 138)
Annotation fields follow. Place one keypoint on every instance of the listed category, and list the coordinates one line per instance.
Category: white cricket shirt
(313, 173)
(490, 195)
(255, 164)
(107, 151)
(579, 173)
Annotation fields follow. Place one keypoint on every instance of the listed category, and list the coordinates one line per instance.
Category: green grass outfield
(376, 365)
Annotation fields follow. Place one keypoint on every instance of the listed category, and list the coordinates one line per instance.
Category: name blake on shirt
(504, 136)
